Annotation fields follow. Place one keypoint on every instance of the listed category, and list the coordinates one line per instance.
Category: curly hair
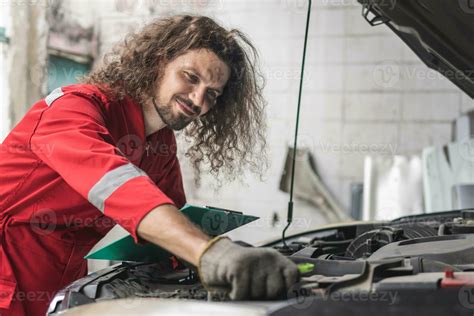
(231, 136)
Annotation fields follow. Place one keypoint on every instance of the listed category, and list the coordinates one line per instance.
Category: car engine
(425, 260)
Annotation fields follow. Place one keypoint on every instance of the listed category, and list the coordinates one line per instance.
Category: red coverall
(75, 166)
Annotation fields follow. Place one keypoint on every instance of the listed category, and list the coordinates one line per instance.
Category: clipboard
(213, 221)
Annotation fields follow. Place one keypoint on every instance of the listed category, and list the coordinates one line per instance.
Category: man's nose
(198, 97)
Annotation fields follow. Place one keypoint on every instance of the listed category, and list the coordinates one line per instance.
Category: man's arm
(116, 187)
(225, 267)
(167, 227)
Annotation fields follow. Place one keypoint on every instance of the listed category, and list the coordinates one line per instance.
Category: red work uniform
(75, 166)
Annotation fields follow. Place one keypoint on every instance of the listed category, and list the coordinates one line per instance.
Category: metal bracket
(375, 18)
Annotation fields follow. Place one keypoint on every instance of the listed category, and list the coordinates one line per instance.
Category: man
(103, 152)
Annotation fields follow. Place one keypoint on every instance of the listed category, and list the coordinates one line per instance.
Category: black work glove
(245, 273)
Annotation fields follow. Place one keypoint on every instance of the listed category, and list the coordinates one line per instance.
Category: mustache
(196, 109)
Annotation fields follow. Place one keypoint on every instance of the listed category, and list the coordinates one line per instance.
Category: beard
(174, 121)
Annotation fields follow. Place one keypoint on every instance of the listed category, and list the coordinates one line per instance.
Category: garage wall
(279, 38)
(364, 93)
(4, 29)
(28, 60)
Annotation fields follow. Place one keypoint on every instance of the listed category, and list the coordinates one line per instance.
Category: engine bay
(429, 254)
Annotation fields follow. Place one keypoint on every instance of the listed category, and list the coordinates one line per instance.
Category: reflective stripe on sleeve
(53, 96)
(110, 182)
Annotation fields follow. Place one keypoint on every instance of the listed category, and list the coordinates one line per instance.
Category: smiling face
(189, 87)
(231, 136)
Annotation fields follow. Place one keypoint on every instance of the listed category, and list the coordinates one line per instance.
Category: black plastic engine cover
(453, 249)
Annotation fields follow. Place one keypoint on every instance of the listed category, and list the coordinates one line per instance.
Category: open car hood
(438, 31)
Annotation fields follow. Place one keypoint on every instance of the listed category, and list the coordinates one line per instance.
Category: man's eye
(191, 78)
(212, 95)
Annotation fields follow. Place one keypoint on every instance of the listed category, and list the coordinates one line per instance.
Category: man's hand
(245, 273)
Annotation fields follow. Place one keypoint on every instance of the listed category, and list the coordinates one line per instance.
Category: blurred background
(373, 116)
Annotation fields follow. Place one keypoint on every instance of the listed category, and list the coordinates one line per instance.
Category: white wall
(27, 55)
(348, 110)
(4, 96)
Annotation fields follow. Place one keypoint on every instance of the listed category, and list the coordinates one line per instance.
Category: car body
(411, 264)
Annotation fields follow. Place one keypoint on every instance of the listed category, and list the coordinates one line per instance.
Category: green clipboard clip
(213, 221)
